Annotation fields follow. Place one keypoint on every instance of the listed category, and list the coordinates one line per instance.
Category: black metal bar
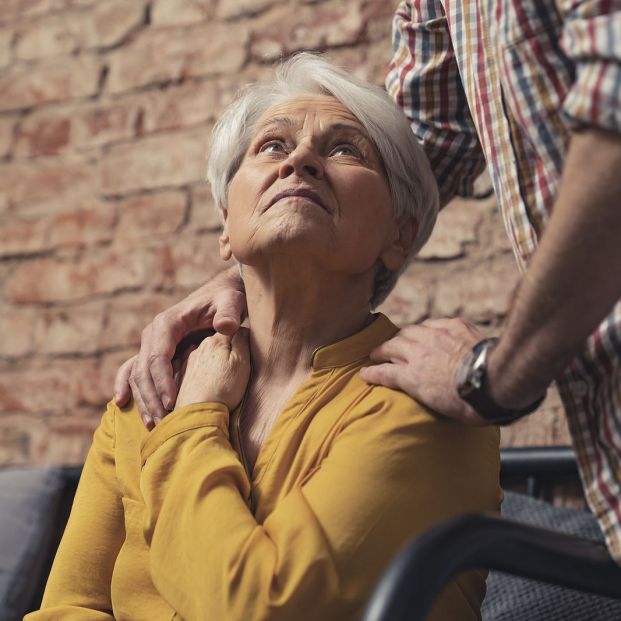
(412, 582)
(537, 461)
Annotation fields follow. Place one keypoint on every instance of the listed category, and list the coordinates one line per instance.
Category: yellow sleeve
(78, 588)
(389, 475)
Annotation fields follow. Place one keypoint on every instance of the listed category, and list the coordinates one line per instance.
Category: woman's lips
(301, 192)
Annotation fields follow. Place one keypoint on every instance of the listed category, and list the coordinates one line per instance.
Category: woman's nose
(303, 162)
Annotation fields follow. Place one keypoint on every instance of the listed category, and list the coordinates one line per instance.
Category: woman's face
(311, 186)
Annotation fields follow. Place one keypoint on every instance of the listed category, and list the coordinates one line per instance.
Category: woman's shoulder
(393, 409)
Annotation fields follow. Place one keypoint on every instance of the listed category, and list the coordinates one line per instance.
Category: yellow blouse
(168, 525)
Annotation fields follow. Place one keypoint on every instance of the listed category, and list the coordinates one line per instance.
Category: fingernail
(146, 420)
(157, 420)
(167, 402)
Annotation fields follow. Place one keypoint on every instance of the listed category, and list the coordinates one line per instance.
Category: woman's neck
(292, 311)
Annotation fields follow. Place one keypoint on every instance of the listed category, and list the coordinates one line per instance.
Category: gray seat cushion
(29, 503)
(516, 599)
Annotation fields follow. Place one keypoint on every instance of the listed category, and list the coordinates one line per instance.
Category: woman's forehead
(302, 108)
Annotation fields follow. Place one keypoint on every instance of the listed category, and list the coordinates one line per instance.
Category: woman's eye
(273, 146)
(346, 149)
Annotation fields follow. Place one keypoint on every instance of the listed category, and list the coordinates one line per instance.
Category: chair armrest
(410, 585)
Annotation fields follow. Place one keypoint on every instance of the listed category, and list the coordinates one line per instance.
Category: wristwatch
(471, 384)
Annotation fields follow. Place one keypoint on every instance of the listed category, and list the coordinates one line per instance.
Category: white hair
(412, 185)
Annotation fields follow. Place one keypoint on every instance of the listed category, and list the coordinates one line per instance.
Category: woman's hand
(148, 376)
(218, 370)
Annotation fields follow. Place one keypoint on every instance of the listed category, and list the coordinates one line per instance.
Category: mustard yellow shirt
(168, 525)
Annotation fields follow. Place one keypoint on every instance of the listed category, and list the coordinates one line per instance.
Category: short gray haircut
(412, 185)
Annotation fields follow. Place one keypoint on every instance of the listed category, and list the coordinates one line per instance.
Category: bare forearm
(573, 280)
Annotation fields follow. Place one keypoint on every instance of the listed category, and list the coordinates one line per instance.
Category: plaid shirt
(503, 82)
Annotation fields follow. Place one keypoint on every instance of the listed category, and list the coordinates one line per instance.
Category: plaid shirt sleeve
(424, 80)
(592, 40)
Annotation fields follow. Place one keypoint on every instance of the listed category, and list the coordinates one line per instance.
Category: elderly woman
(282, 484)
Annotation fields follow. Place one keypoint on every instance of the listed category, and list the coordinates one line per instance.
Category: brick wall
(106, 108)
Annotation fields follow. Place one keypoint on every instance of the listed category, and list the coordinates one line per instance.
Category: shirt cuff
(595, 98)
(187, 418)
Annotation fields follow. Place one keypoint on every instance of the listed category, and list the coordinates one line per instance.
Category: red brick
(188, 263)
(106, 371)
(182, 106)
(6, 135)
(352, 59)
(78, 229)
(160, 56)
(51, 280)
(378, 54)
(409, 300)
(59, 440)
(17, 329)
(42, 390)
(478, 292)
(284, 31)
(203, 215)
(456, 227)
(52, 35)
(18, 435)
(107, 24)
(74, 330)
(14, 9)
(47, 178)
(77, 127)
(101, 124)
(152, 215)
(70, 4)
(53, 80)
(175, 13)
(68, 439)
(43, 136)
(6, 38)
(159, 161)
(127, 316)
(548, 427)
(21, 236)
(93, 222)
(378, 11)
(233, 9)
(114, 20)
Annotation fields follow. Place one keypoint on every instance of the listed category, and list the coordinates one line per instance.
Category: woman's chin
(286, 237)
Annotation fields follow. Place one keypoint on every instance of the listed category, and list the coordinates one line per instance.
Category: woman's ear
(398, 248)
(223, 241)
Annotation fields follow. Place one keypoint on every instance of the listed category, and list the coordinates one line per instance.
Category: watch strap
(476, 393)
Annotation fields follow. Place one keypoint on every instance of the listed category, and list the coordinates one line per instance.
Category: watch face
(463, 381)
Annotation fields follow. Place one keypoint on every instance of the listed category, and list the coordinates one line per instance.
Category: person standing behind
(533, 89)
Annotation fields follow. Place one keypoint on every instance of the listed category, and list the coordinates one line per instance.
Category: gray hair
(412, 185)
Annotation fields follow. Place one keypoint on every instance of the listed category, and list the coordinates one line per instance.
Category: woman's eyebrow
(279, 121)
(351, 128)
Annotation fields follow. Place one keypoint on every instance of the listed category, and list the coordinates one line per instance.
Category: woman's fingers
(150, 375)
(217, 371)
(240, 344)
